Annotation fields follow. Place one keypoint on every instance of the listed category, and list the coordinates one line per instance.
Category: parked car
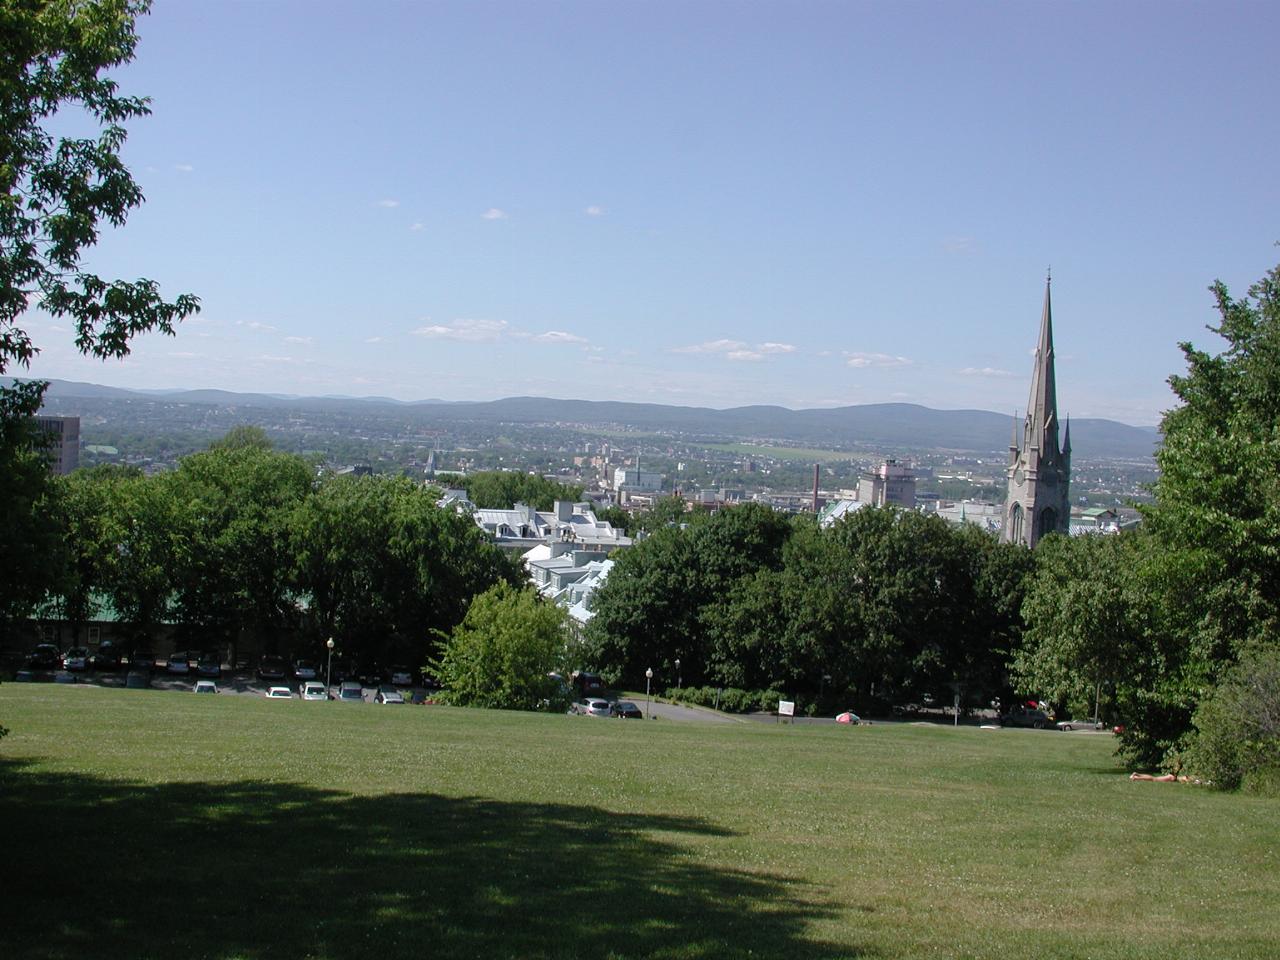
(177, 664)
(279, 693)
(304, 669)
(44, 657)
(595, 707)
(209, 664)
(137, 680)
(142, 660)
(107, 658)
(349, 692)
(271, 667)
(587, 683)
(1080, 725)
(387, 694)
(1027, 717)
(370, 674)
(313, 690)
(77, 658)
(626, 710)
(205, 686)
(401, 676)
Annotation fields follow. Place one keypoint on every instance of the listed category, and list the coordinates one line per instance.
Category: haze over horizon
(698, 204)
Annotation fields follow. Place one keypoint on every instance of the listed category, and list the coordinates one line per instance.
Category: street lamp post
(648, 679)
(328, 668)
(679, 680)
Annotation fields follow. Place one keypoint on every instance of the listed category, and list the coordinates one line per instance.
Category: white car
(205, 686)
(278, 693)
(596, 707)
(387, 694)
(350, 692)
(313, 690)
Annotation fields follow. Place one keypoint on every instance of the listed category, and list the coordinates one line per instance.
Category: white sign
(786, 708)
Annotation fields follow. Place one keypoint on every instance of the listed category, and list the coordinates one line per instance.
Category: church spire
(1042, 403)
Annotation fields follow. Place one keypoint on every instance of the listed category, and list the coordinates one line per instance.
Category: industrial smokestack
(816, 468)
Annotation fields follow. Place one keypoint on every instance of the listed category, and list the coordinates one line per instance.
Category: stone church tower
(1039, 470)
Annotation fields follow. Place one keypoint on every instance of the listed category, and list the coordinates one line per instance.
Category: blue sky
(705, 203)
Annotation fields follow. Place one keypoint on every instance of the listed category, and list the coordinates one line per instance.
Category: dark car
(370, 674)
(44, 657)
(178, 664)
(272, 667)
(209, 664)
(141, 660)
(76, 659)
(107, 659)
(627, 710)
(1027, 716)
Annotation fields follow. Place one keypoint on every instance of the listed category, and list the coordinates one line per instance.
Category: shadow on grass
(105, 868)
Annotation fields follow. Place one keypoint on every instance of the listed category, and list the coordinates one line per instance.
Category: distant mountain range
(904, 426)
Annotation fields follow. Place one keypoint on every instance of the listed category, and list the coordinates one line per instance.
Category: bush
(729, 699)
(1237, 740)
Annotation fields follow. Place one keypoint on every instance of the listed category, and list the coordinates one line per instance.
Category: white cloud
(417, 225)
(861, 360)
(183, 167)
(986, 372)
(388, 204)
(183, 354)
(712, 346)
(465, 331)
(374, 339)
(255, 325)
(737, 350)
(299, 340)
(267, 358)
(960, 245)
(594, 211)
(559, 336)
(493, 213)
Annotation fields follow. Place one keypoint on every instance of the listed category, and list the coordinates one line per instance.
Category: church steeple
(1039, 470)
(1041, 429)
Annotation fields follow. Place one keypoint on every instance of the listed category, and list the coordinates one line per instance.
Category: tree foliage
(384, 567)
(58, 189)
(1238, 725)
(503, 489)
(502, 653)
(748, 598)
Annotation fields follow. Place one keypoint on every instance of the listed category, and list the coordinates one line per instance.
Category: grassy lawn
(150, 824)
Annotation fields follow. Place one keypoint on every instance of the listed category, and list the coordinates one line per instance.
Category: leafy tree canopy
(57, 190)
(503, 489)
(502, 654)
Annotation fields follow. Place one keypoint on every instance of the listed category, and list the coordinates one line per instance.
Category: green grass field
(150, 824)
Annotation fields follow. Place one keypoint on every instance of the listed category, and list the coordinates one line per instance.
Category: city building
(890, 483)
(64, 441)
(636, 480)
(1039, 471)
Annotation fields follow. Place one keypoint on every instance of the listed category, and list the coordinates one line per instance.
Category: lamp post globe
(648, 679)
(679, 681)
(328, 667)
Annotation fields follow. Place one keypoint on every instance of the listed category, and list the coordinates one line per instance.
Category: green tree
(502, 653)
(1238, 725)
(384, 568)
(31, 547)
(1216, 517)
(57, 190)
(502, 489)
(240, 495)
